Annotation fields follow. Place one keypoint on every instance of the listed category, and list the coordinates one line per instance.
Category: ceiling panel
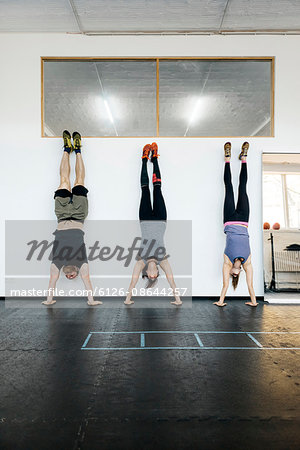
(148, 16)
(262, 15)
(154, 15)
(37, 16)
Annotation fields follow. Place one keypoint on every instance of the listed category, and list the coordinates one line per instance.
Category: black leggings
(240, 213)
(146, 212)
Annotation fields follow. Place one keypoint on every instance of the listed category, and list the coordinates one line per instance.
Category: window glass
(100, 98)
(215, 97)
(293, 196)
(273, 210)
(158, 97)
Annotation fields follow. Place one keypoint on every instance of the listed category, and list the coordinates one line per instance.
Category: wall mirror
(281, 226)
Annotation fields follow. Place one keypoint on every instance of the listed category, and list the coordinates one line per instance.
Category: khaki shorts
(75, 207)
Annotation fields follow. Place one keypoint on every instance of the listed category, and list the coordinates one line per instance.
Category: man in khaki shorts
(71, 209)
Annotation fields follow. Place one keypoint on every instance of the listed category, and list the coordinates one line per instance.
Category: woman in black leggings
(153, 222)
(237, 251)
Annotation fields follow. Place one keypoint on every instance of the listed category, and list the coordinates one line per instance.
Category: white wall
(191, 168)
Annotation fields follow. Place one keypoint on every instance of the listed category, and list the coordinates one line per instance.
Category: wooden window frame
(270, 59)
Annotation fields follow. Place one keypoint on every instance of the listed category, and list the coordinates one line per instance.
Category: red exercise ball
(267, 226)
(276, 226)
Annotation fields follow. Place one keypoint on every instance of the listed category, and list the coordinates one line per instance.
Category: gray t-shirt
(152, 245)
(69, 248)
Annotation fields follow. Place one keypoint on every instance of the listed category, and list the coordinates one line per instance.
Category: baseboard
(282, 301)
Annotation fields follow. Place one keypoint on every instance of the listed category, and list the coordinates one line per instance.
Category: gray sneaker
(227, 150)
(245, 148)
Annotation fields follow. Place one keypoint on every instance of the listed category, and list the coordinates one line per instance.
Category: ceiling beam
(189, 32)
(224, 14)
(76, 16)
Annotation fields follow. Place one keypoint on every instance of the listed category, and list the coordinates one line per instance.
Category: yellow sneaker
(67, 141)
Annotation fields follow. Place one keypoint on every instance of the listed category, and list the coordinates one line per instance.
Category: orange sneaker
(154, 148)
(146, 151)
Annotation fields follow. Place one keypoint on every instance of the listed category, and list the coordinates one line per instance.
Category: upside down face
(236, 268)
(235, 272)
(152, 270)
(71, 272)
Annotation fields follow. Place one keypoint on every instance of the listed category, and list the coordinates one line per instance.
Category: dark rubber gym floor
(54, 395)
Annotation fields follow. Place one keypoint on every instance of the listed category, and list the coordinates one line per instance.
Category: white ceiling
(150, 16)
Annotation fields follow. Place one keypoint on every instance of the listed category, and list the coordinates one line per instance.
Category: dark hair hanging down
(235, 281)
(150, 283)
